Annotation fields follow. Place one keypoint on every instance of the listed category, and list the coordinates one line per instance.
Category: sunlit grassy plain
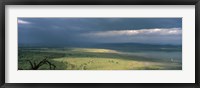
(90, 59)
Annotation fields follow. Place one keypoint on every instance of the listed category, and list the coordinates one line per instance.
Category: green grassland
(89, 59)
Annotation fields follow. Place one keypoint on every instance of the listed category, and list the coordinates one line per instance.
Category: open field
(89, 59)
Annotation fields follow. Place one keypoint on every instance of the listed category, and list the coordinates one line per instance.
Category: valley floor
(89, 59)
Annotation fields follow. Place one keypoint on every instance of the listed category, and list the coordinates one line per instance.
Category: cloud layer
(23, 22)
(149, 36)
(141, 32)
(62, 31)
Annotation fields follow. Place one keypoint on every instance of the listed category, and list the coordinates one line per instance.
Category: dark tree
(36, 66)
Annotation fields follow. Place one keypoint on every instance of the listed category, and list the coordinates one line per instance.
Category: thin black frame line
(107, 85)
(197, 35)
(175, 85)
(2, 49)
(102, 2)
(97, 17)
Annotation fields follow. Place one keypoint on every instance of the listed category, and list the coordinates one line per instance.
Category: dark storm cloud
(71, 30)
(104, 23)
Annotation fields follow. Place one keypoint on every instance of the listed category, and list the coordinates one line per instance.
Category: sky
(64, 31)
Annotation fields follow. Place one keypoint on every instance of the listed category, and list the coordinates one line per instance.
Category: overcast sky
(99, 30)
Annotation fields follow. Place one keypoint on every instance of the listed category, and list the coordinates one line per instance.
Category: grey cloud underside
(63, 31)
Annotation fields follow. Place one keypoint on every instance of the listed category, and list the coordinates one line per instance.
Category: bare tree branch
(35, 66)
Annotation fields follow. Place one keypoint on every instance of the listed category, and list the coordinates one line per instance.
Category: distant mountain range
(92, 44)
(127, 47)
(131, 47)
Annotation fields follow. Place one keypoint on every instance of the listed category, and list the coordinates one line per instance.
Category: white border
(187, 75)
